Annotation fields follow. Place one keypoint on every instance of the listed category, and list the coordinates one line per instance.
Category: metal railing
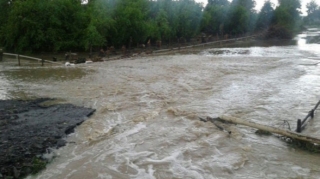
(301, 124)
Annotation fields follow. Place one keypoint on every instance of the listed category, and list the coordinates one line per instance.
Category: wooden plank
(10, 54)
(19, 60)
(275, 130)
(1, 54)
(32, 58)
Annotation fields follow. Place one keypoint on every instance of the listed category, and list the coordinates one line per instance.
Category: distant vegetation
(63, 25)
(313, 17)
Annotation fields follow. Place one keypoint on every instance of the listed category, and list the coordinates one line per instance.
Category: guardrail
(211, 43)
(301, 124)
(18, 56)
(156, 51)
(1, 55)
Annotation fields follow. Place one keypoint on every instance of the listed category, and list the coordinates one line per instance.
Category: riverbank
(30, 129)
(141, 100)
(183, 47)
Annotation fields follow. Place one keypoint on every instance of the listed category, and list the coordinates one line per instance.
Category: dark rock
(28, 129)
(38, 146)
(69, 130)
(61, 143)
(80, 60)
(27, 154)
(16, 173)
(26, 170)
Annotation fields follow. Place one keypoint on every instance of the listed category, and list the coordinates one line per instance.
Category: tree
(247, 4)
(68, 24)
(38, 25)
(238, 21)
(312, 7)
(162, 25)
(265, 16)
(218, 2)
(189, 16)
(100, 24)
(131, 22)
(242, 17)
(313, 10)
(4, 9)
(287, 14)
(175, 19)
(58, 25)
(286, 20)
(215, 16)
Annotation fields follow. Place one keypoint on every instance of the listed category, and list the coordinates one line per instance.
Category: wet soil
(29, 129)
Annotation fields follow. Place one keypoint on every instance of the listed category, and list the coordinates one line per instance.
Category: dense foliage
(63, 25)
(313, 10)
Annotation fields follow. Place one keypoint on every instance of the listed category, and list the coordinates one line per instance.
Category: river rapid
(146, 125)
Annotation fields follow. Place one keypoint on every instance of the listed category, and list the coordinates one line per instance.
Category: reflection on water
(13, 78)
(310, 42)
(4, 87)
(272, 51)
(146, 124)
(307, 44)
(43, 74)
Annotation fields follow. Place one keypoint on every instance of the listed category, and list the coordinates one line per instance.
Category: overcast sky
(261, 2)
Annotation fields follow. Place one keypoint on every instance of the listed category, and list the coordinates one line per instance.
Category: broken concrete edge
(29, 129)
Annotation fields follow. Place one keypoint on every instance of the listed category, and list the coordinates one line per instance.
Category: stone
(31, 129)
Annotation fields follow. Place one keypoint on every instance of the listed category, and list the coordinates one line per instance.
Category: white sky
(261, 2)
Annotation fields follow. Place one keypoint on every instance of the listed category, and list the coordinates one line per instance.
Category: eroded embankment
(28, 129)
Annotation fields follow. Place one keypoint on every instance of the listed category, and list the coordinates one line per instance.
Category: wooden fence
(18, 58)
(220, 42)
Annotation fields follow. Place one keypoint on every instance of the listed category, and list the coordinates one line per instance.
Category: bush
(279, 32)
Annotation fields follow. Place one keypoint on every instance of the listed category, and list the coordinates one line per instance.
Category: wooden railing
(211, 43)
(18, 58)
(220, 42)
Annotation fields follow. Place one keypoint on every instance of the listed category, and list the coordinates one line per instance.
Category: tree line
(313, 10)
(63, 25)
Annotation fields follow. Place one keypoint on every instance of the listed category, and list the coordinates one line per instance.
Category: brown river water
(146, 125)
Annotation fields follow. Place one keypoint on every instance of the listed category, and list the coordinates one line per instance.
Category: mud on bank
(29, 129)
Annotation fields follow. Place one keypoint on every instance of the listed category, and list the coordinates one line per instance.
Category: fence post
(299, 126)
(1, 54)
(42, 62)
(19, 60)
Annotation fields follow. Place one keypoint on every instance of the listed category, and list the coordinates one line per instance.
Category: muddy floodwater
(146, 124)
